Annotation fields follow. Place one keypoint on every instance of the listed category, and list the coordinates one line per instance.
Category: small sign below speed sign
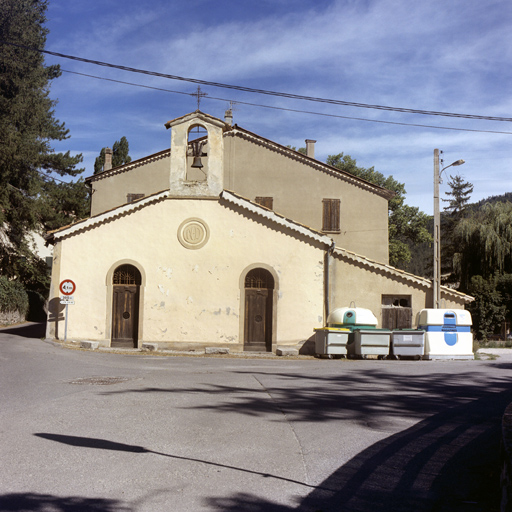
(67, 287)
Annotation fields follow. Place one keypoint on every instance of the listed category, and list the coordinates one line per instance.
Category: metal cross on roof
(199, 94)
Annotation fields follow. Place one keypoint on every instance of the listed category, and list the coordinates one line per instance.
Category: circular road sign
(67, 287)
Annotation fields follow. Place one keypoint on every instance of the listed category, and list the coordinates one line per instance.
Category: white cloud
(436, 55)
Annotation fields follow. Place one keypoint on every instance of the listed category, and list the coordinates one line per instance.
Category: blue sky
(434, 55)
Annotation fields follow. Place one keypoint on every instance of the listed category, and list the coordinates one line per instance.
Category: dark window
(126, 274)
(331, 215)
(133, 197)
(267, 202)
(259, 278)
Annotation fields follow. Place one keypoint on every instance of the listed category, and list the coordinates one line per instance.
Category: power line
(286, 109)
(263, 91)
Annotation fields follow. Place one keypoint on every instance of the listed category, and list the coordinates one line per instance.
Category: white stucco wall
(189, 295)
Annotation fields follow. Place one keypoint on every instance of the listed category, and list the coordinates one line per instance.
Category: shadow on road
(447, 462)
(26, 330)
(25, 502)
(104, 444)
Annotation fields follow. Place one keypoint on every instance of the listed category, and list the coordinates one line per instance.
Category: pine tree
(460, 192)
(120, 155)
(27, 129)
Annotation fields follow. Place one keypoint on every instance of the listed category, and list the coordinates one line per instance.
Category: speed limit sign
(67, 287)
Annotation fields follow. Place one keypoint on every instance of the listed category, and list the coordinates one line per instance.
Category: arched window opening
(197, 153)
(127, 274)
(259, 278)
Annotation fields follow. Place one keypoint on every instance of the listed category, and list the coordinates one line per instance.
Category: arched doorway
(126, 282)
(258, 318)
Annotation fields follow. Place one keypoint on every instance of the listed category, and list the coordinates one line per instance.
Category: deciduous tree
(120, 155)
(484, 242)
(408, 226)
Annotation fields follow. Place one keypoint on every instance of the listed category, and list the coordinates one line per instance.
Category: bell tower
(197, 155)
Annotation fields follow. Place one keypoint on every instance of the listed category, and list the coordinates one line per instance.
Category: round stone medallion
(193, 233)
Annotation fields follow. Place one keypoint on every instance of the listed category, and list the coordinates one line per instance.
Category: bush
(13, 297)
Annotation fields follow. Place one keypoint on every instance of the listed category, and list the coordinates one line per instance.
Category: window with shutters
(331, 216)
(267, 202)
(133, 197)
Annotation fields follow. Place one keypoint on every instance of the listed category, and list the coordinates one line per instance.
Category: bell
(197, 162)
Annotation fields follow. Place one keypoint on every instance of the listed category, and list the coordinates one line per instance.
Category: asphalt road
(90, 431)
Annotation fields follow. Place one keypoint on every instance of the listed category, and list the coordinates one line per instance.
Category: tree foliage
(487, 310)
(408, 226)
(120, 155)
(484, 242)
(13, 296)
(460, 192)
(300, 150)
(27, 129)
(457, 208)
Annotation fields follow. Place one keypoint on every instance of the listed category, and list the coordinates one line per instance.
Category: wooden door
(258, 320)
(397, 318)
(125, 315)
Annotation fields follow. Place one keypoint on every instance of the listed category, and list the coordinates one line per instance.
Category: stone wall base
(11, 317)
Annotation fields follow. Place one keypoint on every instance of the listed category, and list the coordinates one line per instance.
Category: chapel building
(228, 239)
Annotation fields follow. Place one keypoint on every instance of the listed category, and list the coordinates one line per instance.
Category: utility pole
(436, 284)
(436, 289)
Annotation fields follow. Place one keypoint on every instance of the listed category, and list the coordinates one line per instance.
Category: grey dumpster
(408, 343)
(331, 341)
(369, 342)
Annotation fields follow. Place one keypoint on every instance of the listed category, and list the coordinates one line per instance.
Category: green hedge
(13, 296)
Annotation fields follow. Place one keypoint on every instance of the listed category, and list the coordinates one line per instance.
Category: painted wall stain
(163, 291)
(167, 271)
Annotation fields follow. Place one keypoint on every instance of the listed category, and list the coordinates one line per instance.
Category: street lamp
(436, 291)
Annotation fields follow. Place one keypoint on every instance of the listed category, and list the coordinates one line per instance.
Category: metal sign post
(67, 287)
(66, 325)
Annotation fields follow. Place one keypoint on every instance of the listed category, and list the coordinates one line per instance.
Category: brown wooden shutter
(331, 215)
(267, 202)
(133, 197)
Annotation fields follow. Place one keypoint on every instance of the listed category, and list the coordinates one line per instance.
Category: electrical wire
(262, 91)
(284, 108)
